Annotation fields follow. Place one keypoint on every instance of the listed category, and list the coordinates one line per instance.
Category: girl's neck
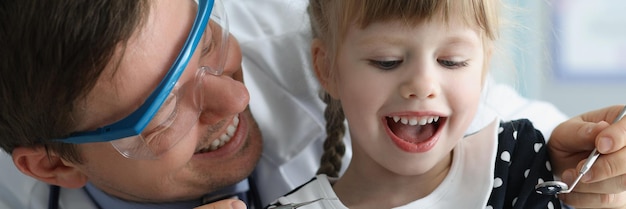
(369, 187)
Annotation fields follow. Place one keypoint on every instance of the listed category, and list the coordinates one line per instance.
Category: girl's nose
(420, 84)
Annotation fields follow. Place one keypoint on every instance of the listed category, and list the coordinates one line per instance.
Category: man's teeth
(225, 137)
(415, 120)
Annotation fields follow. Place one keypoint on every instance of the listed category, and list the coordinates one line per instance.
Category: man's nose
(222, 97)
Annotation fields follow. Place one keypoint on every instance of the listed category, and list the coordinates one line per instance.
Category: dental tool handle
(573, 184)
(588, 163)
(620, 116)
(590, 160)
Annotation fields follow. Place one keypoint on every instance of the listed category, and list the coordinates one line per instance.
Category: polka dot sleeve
(522, 161)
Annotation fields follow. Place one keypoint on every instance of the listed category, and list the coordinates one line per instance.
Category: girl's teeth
(412, 121)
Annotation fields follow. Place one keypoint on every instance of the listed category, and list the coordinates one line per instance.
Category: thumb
(224, 204)
(613, 138)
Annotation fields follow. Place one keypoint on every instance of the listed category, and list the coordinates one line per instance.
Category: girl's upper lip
(417, 114)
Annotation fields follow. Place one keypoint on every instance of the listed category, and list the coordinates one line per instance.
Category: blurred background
(571, 53)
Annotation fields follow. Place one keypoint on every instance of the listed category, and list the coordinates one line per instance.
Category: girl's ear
(322, 67)
(44, 166)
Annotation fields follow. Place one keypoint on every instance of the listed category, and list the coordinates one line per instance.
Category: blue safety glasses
(173, 108)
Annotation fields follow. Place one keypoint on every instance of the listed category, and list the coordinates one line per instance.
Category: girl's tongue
(413, 134)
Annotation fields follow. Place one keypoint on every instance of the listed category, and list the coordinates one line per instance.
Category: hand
(604, 186)
(225, 204)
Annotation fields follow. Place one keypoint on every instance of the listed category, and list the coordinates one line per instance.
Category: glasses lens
(215, 41)
(180, 111)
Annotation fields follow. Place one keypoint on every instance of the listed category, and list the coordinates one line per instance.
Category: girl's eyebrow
(457, 39)
(371, 41)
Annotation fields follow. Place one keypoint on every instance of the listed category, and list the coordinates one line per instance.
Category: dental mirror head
(552, 188)
(558, 187)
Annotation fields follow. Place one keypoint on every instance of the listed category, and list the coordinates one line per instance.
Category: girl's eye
(385, 65)
(451, 64)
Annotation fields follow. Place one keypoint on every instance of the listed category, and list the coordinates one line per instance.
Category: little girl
(408, 76)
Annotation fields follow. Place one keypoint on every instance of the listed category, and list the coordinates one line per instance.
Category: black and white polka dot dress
(519, 166)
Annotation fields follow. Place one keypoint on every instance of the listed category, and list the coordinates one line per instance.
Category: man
(71, 69)
(168, 80)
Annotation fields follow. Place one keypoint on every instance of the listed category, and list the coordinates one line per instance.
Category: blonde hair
(330, 20)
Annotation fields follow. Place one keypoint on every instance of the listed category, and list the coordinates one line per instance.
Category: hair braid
(334, 148)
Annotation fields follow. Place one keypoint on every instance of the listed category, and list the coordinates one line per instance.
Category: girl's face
(409, 92)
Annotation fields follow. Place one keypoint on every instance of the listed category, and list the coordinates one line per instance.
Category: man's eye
(208, 46)
(452, 64)
(164, 117)
(386, 64)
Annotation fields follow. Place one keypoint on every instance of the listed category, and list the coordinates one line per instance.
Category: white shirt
(468, 183)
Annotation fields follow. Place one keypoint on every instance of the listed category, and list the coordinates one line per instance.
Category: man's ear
(322, 67)
(49, 168)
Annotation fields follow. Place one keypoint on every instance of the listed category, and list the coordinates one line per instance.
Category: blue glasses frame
(137, 121)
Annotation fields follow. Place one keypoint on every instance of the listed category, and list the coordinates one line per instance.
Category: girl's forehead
(398, 33)
(477, 14)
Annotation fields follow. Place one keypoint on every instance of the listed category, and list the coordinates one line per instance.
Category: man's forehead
(137, 67)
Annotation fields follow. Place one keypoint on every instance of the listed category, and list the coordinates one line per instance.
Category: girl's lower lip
(424, 146)
(235, 143)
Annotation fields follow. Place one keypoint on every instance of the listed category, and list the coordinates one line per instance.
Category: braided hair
(334, 148)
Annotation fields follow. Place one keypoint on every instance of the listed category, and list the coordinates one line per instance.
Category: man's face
(188, 170)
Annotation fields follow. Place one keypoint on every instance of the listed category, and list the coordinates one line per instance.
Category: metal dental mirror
(559, 187)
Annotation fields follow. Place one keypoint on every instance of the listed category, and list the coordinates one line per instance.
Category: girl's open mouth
(413, 133)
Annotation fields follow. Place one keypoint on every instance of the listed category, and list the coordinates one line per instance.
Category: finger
(611, 185)
(590, 200)
(604, 114)
(607, 166)
(224, 204)
(612, 138)
(572, 142)
(576, 136)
